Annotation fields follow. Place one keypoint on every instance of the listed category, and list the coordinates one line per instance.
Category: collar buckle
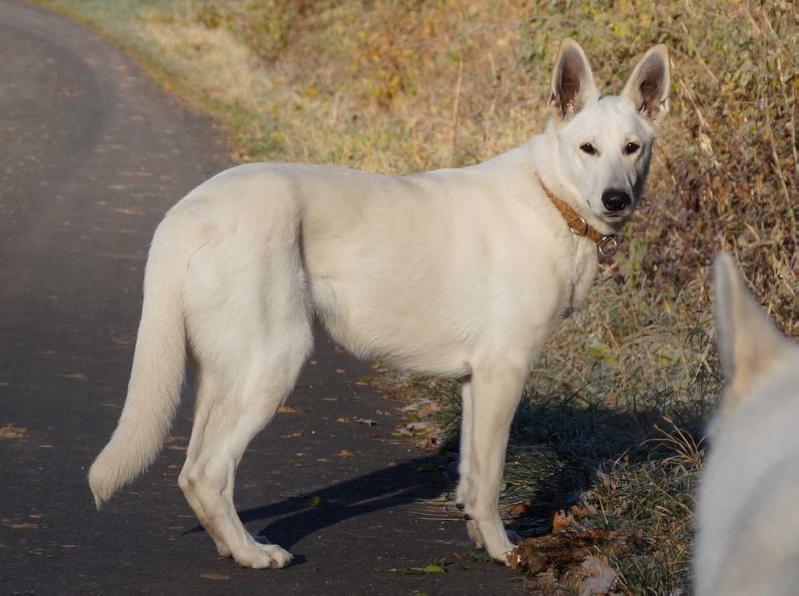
(583, 231)
(607, 246)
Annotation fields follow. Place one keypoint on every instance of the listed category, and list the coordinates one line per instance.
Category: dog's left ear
(648, 86)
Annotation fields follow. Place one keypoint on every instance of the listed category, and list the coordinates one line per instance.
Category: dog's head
(605, 143)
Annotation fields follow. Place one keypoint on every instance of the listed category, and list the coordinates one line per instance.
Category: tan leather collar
(606, 244)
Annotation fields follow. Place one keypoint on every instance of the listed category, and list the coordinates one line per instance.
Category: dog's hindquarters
(249, 328)
(224, 279)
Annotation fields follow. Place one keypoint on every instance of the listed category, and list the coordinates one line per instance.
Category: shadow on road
(297, 517)
(559, 446)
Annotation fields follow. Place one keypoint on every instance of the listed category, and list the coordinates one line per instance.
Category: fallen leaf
(428, 409)
(291, 435)
(427, 569)
(429, 444)
(287, 410)
(344, 453)
(10, 431)
(366, 421)
(75, 376)
(518, 509)
(214, 576)
(314, 501)
(343, 420)
(24, 526)
(561, 522)
(340, 371)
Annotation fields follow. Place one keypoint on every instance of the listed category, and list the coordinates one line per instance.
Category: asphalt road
(93, 154)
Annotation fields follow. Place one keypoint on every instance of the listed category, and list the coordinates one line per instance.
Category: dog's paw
(262, 556)
(504, 544)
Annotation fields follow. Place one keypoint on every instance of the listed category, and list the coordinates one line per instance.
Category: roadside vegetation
(611, 427)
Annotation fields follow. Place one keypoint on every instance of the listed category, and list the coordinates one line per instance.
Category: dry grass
(403, 85)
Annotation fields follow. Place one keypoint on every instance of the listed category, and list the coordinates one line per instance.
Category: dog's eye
(631, 148)
(588, 148)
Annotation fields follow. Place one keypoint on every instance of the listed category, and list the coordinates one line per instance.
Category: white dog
(748, 511)
(458, 272)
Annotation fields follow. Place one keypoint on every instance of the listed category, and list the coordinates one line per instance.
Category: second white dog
(748, 510)
(459, 272)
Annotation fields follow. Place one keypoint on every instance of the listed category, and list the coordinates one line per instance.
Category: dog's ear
(748, 342)
(648, 86)
(572, 80)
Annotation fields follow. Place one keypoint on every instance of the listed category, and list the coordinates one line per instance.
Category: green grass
(404, 85)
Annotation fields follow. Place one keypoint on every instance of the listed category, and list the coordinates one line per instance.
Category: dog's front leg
(495, 391)
(465, 484)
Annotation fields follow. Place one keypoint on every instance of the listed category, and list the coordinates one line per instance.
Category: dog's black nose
(615, 200)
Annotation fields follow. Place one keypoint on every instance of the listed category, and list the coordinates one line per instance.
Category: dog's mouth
(616, 216)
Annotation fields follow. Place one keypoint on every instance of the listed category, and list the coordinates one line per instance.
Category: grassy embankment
(403, 85)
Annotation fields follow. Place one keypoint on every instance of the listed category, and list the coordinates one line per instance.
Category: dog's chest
(581, 270)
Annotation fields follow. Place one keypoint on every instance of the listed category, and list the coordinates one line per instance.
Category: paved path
(92, 156)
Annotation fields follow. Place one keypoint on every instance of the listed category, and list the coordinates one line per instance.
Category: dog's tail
(157, 373)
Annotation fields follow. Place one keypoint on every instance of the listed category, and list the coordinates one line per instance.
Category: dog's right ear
(748, 342)
(572, 80)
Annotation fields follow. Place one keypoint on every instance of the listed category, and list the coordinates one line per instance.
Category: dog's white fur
(748, 508)
(459, 272)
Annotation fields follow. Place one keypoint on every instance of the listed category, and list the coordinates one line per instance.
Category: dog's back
(748, 507)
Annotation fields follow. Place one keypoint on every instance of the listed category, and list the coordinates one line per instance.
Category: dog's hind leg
(495, 391)
(467, 428)
(250, 333)
(205, 402)
(235, 416)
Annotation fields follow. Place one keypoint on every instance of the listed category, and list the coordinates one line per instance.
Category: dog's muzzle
(616, 200)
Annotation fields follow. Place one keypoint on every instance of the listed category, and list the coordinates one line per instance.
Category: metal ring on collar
(608, 246)
(582, 232)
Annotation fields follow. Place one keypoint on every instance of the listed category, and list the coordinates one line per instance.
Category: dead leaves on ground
(34, 521)
(568, 558)
(9, 431)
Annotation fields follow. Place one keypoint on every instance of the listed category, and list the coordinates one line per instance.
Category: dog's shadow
(580, 439)
(297, 517)
(401, 484)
